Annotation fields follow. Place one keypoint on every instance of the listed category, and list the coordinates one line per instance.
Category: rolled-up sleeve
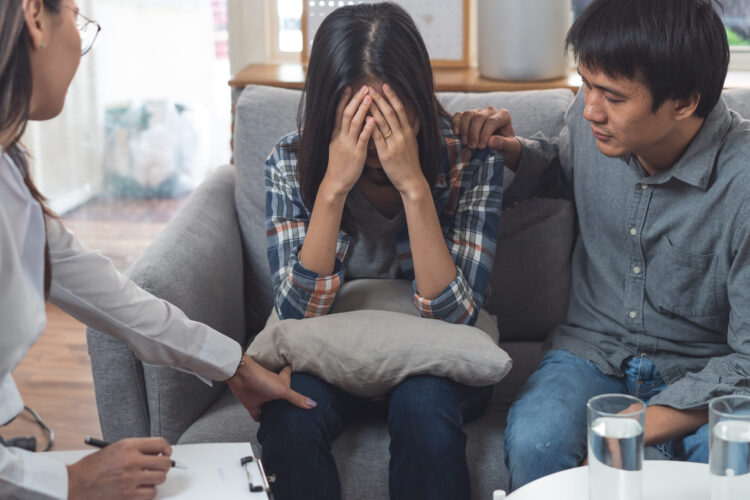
(545, 167)
(298, 292)
(471, 241)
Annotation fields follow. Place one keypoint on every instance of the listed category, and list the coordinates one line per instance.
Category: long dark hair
(15, 97)
(355, 43)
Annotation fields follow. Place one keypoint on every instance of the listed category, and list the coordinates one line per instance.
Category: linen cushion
(375, 345)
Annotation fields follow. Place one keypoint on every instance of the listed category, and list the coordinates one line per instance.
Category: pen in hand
(92, 441)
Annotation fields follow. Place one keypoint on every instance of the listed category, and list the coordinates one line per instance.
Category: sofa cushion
(361, 452)
(531, 277)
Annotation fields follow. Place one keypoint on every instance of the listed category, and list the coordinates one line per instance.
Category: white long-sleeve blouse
(86, 285)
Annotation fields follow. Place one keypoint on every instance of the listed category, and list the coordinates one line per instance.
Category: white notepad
(214, 471)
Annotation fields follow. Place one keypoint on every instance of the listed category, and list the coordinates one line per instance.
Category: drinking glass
(729, 445)
(615, 446)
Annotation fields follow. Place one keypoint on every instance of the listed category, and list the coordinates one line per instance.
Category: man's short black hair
(677, 48)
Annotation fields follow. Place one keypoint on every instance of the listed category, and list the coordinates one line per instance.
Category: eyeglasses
(88, 28)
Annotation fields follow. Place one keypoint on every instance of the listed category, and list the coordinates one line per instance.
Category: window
(289, 15)
(285, 17)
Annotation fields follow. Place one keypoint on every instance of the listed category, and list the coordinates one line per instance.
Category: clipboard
(214, 471)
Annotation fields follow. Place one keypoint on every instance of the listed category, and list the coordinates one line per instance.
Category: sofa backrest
(738, 100)
(531, 279)
(264, 114)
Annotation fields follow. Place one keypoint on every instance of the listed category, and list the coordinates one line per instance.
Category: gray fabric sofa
(211, 262)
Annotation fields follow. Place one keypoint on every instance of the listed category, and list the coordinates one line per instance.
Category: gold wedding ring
(388, 134)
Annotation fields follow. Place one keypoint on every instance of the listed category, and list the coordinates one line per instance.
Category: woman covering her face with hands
(41, 44)
(375, 185)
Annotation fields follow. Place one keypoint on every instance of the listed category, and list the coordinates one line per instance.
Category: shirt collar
(697, 163)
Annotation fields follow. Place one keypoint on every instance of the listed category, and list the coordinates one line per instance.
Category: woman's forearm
(434, 268)
(318, 252)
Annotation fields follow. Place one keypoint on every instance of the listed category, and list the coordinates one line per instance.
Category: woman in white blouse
(40, 48)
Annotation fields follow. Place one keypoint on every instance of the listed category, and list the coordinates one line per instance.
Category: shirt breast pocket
(685, 284)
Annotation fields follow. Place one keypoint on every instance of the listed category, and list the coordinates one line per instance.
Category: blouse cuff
(455, 303)
(320, 290)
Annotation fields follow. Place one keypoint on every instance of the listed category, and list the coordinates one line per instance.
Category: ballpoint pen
(92, 441)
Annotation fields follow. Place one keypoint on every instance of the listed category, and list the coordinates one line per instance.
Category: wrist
(244, 363)
(512, 155)
(332, 191)
(415, 192)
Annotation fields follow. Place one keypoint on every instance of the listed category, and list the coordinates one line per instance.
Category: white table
(214, 471)
(662, 480)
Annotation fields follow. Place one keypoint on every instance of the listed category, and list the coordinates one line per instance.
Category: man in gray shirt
(659, 169)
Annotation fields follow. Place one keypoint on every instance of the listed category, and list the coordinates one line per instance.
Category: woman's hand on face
(128, 469)
(396, 142)
(348, 149)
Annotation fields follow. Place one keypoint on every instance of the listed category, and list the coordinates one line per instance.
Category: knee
(283, 426)
(419, 419)
(528, 444)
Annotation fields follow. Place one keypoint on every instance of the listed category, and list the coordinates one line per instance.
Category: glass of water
(615, 446)
(729, 442)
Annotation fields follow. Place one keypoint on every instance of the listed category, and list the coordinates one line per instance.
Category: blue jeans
(425, 418)
(546, 429)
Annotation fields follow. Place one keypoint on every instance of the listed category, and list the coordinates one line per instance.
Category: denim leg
(546, 427)
(426, 415)
(297, 443)
(645, 382)
(690, 448)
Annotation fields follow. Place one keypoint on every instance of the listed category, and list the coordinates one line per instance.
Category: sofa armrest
(196, 263)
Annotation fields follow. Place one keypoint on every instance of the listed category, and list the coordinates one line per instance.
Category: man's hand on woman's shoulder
(488, 127)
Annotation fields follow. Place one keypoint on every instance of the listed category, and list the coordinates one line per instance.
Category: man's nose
(593, 111)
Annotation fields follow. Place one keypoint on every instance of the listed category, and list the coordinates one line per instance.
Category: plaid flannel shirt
(467, 197)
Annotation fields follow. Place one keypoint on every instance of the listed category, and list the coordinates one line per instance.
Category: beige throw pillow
(375, 339)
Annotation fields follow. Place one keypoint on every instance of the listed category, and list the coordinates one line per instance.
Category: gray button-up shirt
(661, 265)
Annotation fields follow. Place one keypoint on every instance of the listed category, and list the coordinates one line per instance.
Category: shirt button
(644, 186)
(633, 231)
(637, 270)
(633, 314)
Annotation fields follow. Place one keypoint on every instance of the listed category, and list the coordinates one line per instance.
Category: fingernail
(386, 87)
(363, 89)
(482, 145)
(367, 99)
(473, 145)
(309, 402)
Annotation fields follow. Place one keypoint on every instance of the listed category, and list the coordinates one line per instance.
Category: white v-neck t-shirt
(86, 285)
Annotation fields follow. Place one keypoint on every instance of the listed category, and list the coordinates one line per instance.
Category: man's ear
(34, 14)
(685, 108)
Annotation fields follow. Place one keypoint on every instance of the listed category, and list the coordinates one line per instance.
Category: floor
(55, 377)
